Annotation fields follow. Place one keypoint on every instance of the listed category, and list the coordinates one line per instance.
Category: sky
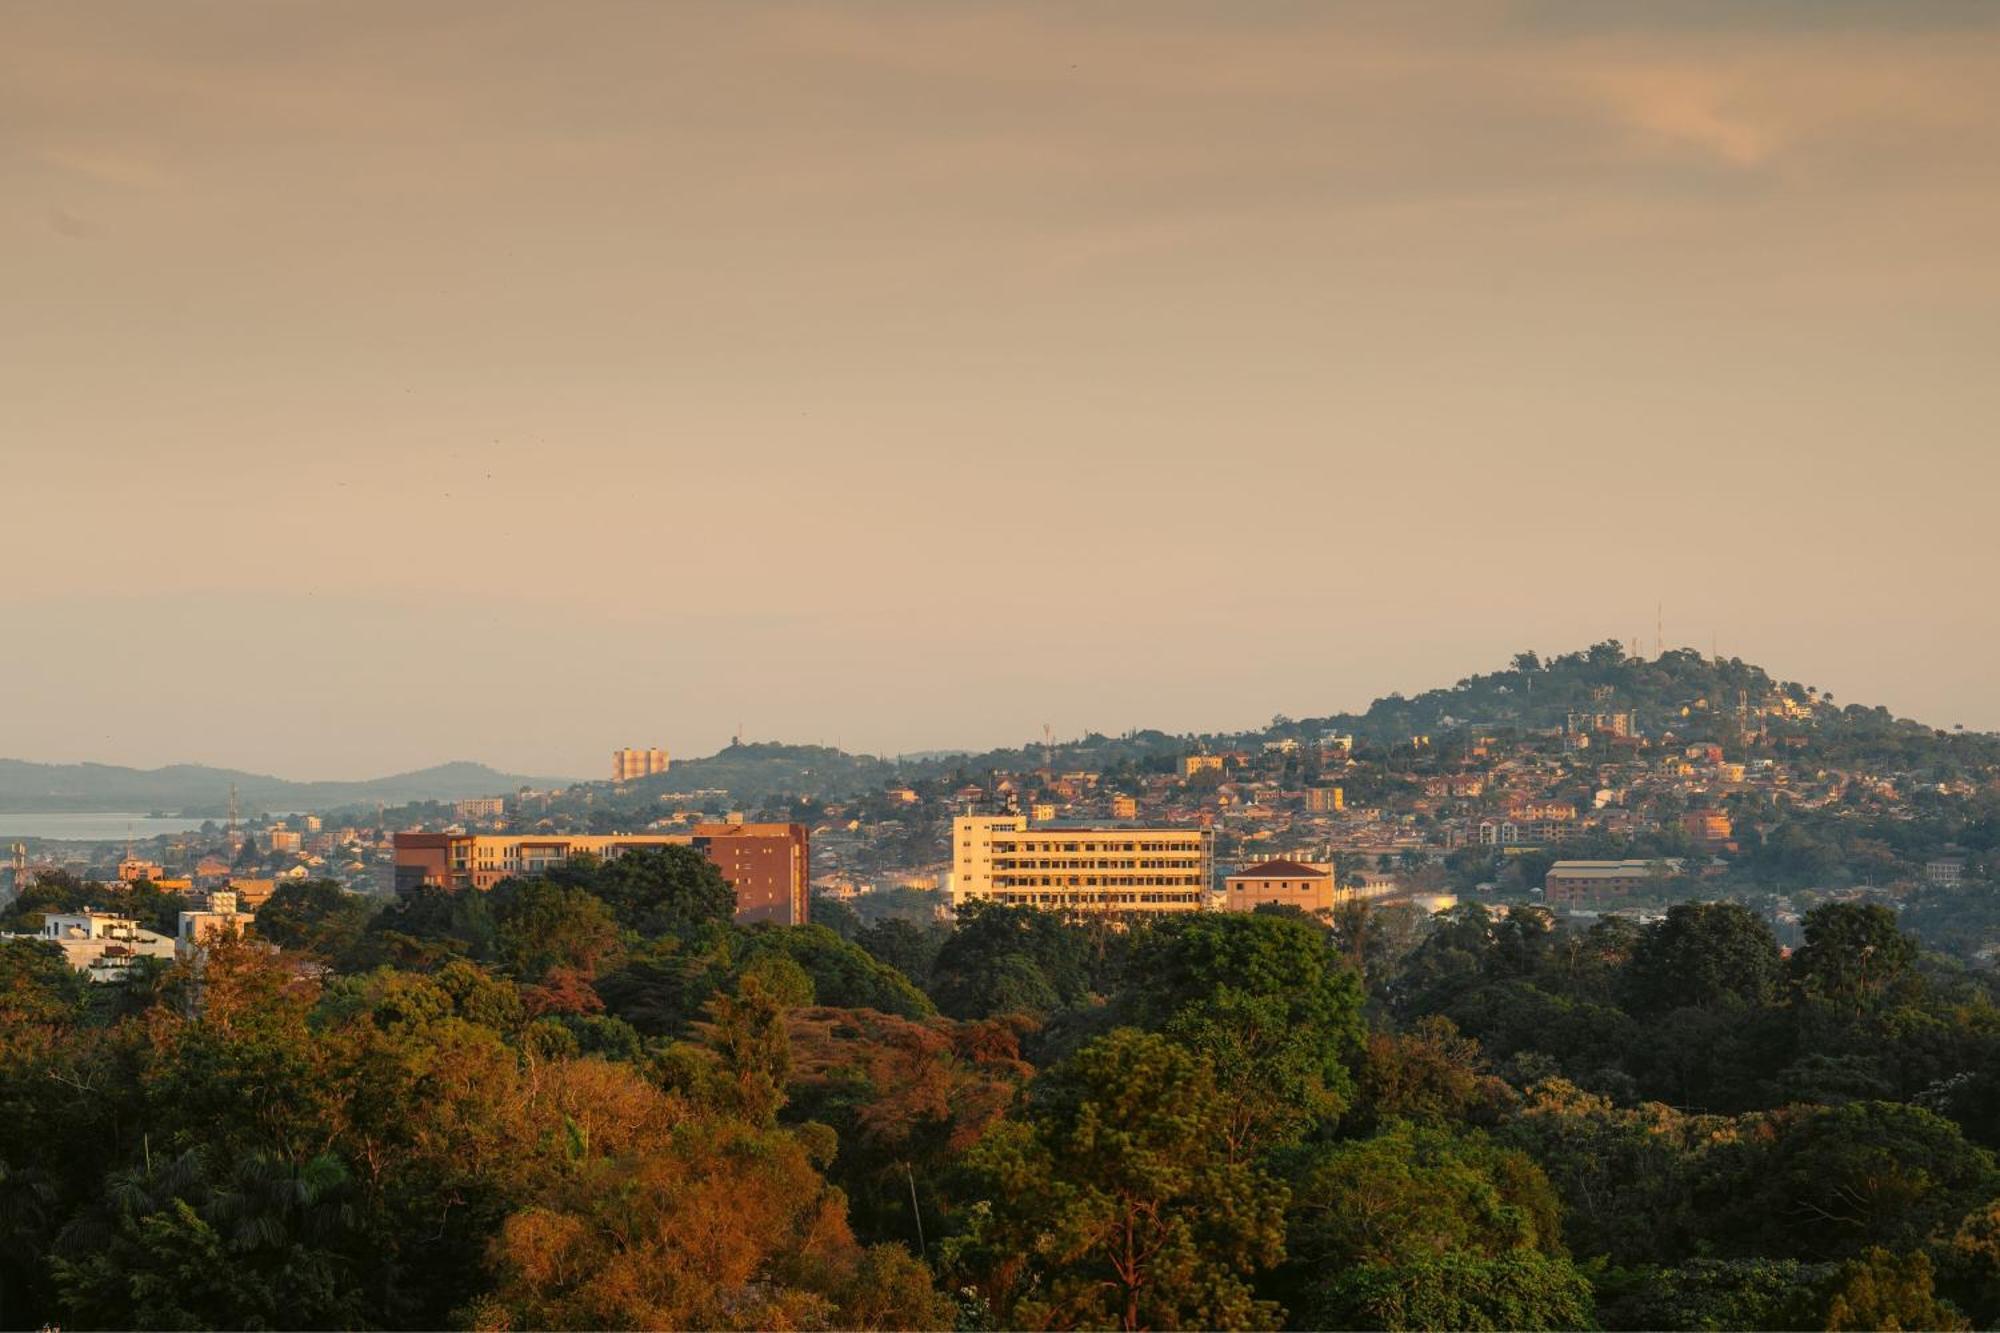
(383, 384)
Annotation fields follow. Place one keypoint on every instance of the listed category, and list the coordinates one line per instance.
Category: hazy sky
(388, 383)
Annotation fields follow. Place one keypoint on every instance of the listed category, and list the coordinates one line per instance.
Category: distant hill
(1681, 692)
(198, 790)
(761, 770)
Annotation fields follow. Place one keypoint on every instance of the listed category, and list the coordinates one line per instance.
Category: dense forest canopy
(590, 1100)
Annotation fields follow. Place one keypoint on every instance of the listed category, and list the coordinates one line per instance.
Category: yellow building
(253, 893)
(1325, 800)
(1124, 807)
(1200, 763)
(1306, 885)
(628, 763)
(1001, 858)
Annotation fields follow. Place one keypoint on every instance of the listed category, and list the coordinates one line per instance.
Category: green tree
(315, 915)
(1115, 1202)
(1854, 956)
(843, 973)
(1269, 1004)
(1411, 1192)
(1843, 1179)
(656, 891)
(1522, 1289)
(543, 926)
(1880, 1290)
(1703, 954)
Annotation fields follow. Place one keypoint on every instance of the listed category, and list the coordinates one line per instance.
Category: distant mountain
(198, 790)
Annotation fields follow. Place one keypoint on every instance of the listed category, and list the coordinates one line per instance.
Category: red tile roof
(1279, 869)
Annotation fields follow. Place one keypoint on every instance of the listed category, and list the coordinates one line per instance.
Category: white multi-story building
(103, 945)
(221, 918)
(1108, 869)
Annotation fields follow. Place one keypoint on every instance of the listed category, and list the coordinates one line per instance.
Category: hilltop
(1680, 692)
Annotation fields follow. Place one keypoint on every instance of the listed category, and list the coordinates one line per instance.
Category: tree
(1880, 1290)
(1006, 959)
(544, 926)
(1431, 1074)
(1268, 1004)
(646, 1210)
(190, 1243)
(315, 915)
(1839, 1180)
(1854, 956)
(843, 973)
(1115, 1203)
(1522, 1289)
(1412, 1192)
(907, 1099)
(905, 945)
(656, 891)
(1712, 1294)
(1703, 954)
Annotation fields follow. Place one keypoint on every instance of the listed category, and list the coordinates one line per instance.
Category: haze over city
(385, 384)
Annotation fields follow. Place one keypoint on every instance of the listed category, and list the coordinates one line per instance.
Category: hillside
(198, 790)
(1680, 692)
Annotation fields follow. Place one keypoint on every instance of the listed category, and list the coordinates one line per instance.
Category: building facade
(769, 865)
(1573, 883)
(1306, 885)
(101, 945)
(628, 764)
(1001, 858)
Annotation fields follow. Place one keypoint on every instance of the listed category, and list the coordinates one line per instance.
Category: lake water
(89, 826)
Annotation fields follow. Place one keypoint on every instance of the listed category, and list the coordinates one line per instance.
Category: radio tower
(232, 819)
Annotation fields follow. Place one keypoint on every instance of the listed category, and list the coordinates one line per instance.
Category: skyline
(484, 382)
(1026, 742)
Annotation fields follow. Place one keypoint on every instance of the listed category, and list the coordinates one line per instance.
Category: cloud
(1691, 108)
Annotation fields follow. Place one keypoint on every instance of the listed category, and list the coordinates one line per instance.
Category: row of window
(1098, 863)
(1098, 899)
(1182, 845)
(1090, 881)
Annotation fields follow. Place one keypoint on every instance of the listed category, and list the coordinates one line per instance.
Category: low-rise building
(769, 865)
(1572, 883)
(103, 945)
(220, 919)
(1945, 872)
(1309, 886)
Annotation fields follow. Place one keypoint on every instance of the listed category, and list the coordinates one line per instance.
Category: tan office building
(1306, 885)
(629, 764)
(1001, 858)
(1574, 883)
(769, 865)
